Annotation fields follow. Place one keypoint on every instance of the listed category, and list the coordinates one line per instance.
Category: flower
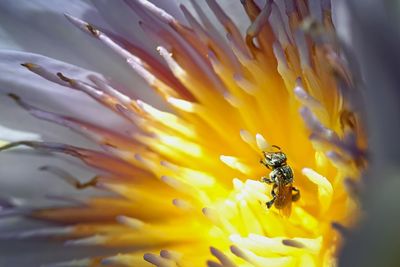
(188, 176)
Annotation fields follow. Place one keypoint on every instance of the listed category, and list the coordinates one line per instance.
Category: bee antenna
(277, 147)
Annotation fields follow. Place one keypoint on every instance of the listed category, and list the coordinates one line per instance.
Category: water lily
(185, 171)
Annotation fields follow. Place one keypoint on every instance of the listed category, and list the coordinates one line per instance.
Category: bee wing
(283, 200)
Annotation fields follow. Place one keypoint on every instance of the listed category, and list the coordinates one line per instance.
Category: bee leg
(271, 202)
(266, 180)
(296, 195)
(265, 164)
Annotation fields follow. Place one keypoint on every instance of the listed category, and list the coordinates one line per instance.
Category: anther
(69, 178)
(95, 32)
(28, 65)
(14, 97)
(347, 118)
(292, 243)
(340, 228)
(64, 78)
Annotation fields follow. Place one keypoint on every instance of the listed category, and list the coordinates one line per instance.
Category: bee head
(274, 159)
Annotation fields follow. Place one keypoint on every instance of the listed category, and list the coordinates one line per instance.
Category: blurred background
(371, 31)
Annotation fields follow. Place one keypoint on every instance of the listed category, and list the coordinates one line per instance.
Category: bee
(281, 178)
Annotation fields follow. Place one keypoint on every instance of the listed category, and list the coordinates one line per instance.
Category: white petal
(45, 253)
(50, 34)
(232, 8)
(12, 135)
(373, 26)
(48, 30)
(124, 21)
(21, 178)
(341, 19)
(45, 94)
